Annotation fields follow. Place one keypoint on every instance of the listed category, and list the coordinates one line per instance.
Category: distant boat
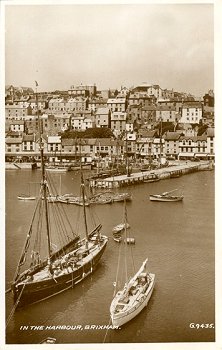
(56, 169)
(26, 197)
(120, 227)
(101, 200)
(152, 177)
(120, 197)
(166, 197)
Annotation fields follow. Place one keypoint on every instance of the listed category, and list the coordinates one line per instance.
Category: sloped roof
(11, 140)
(210, 132)
(165, 108)
(102, 110)
(147, 133)
(171, 136)
(149, 108)
(194, 104)
(68, 142)
(28, 138)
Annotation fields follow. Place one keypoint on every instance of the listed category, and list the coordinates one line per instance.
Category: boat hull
(158, 198)
(35, 292)
(122, 318)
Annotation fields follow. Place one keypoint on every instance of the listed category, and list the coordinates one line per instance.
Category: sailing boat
(166, 197)
(129, 301)
(55, 265)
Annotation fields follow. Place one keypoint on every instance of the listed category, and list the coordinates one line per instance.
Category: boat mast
(83, 199)
(44, 181)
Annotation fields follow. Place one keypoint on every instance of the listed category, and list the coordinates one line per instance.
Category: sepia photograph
(108, 123)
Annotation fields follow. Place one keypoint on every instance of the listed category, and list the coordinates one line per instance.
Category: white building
(117, 104)
(191, 113)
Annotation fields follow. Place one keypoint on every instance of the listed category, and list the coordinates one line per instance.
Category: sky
(110, 45)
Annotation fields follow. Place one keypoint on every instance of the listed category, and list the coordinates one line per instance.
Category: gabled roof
(172, 136)
(28, 138)
(147, 133)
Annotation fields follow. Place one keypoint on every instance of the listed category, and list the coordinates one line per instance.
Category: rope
(117, 271)
(104, 339)
(14, 308)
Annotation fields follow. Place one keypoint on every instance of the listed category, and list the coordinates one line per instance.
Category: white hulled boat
(131, 300)
(132, 296)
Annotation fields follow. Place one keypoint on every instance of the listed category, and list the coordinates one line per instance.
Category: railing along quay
(140, 177)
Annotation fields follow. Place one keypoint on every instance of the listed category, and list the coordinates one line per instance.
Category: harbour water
(178, 239)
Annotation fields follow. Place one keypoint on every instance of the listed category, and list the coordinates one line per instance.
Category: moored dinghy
(166, 197)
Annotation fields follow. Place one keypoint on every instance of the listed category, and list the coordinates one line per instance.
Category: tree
(91, 133)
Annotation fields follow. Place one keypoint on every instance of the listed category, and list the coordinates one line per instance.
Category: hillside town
(145, 124)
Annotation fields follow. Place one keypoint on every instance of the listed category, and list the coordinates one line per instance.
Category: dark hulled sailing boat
(56, 264)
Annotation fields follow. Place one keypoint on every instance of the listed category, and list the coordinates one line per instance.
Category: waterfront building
(144, 143)
(210, 143)
(158, 148)
(13, 146)
(28, 143)
(195, 146)
(171, 143)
